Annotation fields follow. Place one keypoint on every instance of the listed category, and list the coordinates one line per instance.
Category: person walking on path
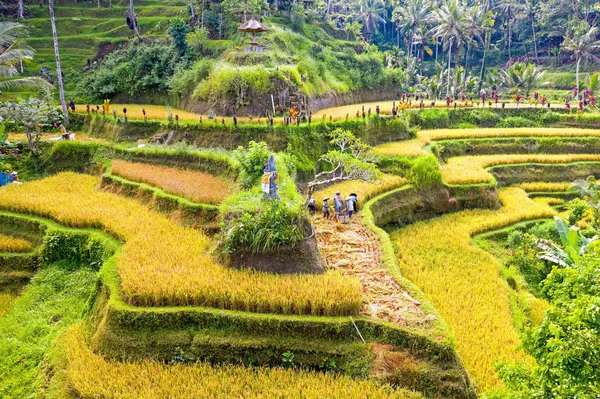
(349, 206)
(311, 204)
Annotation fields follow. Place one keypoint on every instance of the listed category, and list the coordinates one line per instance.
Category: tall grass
(464, 283)
(164, 264)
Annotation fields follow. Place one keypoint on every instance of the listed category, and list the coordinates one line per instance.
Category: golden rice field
(363, 190)
(464, 282)
(160, 113)
(544, 186)
(414, 147)
(195, 186)
(164, 264)
(339, 113)
(13, 244)
(471, 169)
(92, 376)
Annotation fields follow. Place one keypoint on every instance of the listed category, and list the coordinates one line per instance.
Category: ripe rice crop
(364, 190)
(164, 264)
(414, 147)
(471, 169)
(195, 186)
(13, 244)
(464, 282)
(92, 376)
(6, 300)
(544, 186)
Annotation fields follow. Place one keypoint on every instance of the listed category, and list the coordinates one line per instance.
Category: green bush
(425, 172)
(74, 248)
(71, 156)
(483, 117)
(433, 119)
(273, 226)
(252, 162)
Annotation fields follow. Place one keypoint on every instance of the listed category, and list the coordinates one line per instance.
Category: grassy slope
(55, 299)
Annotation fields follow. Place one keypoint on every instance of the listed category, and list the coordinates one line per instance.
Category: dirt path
(355, 250)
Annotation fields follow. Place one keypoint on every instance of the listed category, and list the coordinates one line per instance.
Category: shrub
(425, 172)
(252, 162)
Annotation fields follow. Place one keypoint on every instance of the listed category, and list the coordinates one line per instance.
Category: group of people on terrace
(343, 208)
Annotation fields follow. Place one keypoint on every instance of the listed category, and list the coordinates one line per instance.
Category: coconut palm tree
(509, 8)
(411, 16)
(449, 26)
(61, 87)
(372, 12)
(475, 19)
(530, 10)
(582, 43)
(13, 52)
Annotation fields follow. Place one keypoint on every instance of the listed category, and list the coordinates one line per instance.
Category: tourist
(72, 105)
(326, 212)
(355, 201)
(311, 204)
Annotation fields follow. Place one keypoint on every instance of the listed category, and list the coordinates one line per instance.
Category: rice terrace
(299, 199)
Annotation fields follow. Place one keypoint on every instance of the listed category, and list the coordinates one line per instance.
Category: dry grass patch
(195, 186)
(471, 169)
(92, 376)
(415, 146)
(464, 282)
(13, 244)
(164, 264)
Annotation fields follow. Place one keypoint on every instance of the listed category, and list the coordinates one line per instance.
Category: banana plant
(574, 245)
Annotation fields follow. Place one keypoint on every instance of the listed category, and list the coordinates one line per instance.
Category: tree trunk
(485, 53)
(133, 18)
(509, 36)
(21, 10)
(577, 77)
(328, 9)
(535, 51)
(98, 4)
(449, 60)
(58, 68)
(193, 11)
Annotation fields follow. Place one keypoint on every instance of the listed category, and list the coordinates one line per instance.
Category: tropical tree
(526, 77)
(13, 52)
(61, 87)
(582, 43)
(574, 246)
(21, 10)
(449, 26)
(530, 10)
(410, 17)
(351, 159)
(590, 192)
(475, 19)
(371, 14)
(132, 21)
(509, 8)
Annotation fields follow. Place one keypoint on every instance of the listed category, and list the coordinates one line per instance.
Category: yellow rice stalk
(364, 190)
(550, 201)
(164, 264)
(6, 301)
(415, 146)
(13, 244)
(544, 186)
(471, 169)
(195, 186)
(464, 283)
(92, 376)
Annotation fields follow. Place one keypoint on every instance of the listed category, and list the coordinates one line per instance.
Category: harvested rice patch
(544, 186)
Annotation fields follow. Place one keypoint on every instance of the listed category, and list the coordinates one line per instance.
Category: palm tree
(475, 19)
(58, 68)
(410, 17)
(13, 52)
(371, 13)
(450, 28)
(509, 8)
(582, 43)
(530, 10)
(524, 76)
